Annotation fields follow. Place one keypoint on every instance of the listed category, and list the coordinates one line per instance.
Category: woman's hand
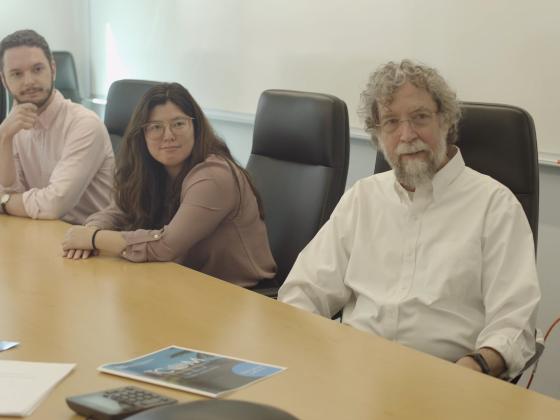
(77, 254)
(77, 242)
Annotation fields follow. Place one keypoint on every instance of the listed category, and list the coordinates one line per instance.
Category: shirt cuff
(29, 203)
(510, 352)
(136, 243)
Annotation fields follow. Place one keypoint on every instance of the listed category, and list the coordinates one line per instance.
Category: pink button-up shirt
(64, 164)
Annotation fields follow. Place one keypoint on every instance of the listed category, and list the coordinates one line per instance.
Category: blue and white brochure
(209, 374)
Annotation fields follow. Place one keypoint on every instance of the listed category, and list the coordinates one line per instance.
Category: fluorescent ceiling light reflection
(115, 66)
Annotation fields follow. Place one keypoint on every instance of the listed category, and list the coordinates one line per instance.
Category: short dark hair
(27, 38)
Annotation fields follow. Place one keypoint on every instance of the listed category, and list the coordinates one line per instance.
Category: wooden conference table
(106, 310)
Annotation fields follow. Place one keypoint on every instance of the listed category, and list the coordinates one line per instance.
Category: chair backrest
(3, 102)
(299, 164)
(122, 99)
(499, 141)
(66, 76)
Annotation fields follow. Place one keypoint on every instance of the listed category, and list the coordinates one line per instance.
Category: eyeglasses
(154, 130)
(418, 119)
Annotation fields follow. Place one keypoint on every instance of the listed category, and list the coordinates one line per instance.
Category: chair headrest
(66, 75)
(122, 99)
(300, 127)
(500, 141)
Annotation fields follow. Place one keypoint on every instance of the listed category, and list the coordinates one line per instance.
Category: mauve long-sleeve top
(216, 230)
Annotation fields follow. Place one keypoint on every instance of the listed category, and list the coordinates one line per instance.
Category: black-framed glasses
(154, 130)
(418, 119)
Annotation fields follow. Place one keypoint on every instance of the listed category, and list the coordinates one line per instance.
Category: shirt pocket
(449, 272)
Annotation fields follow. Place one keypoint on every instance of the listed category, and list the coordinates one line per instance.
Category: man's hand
(77, 238)
(468, 362)
(21, 117)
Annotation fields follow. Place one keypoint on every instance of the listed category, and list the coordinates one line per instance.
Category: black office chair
(66, 76)
(121, 100)
(500, 141)
(3, 102)
(299, 164)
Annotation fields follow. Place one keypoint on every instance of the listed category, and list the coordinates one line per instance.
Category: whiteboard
(228, 51)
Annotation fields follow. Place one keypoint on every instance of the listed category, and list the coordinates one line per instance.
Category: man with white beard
(432, 254)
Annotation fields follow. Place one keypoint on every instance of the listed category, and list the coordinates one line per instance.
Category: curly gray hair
(388, 78)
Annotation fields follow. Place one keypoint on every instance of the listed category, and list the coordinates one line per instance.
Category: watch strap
(481, 362)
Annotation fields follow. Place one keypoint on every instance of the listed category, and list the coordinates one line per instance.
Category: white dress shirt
(448, 272)
(64, 163)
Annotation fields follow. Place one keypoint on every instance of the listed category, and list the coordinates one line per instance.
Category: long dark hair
(143, 189)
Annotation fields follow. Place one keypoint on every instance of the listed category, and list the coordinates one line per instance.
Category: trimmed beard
(38, 104)
(414, 172)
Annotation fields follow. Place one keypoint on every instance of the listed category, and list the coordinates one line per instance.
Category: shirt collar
(445, 176)
(47, 117)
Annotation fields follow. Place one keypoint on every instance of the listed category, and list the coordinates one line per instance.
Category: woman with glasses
(179, 196)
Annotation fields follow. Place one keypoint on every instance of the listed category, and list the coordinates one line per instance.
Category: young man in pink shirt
(56, 159)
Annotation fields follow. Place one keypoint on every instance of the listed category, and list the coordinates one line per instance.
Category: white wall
(228, 51)
(548, 265)
(63, 23)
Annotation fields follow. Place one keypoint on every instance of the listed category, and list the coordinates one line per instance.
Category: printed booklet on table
(209, 374)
